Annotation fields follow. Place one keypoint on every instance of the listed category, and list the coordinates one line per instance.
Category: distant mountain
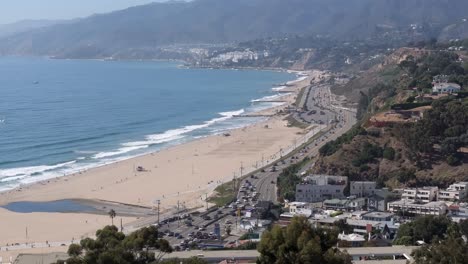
(25, 25)
(222, 21)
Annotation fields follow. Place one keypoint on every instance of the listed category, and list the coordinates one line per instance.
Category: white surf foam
(280, 88)
(269, 98)
(168, 136)
(300, 79)
(30, 171)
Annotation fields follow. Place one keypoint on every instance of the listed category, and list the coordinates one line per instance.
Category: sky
(15, 10)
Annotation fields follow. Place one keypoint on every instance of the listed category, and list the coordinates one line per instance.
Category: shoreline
(185, 173)
(293, 90)
(67, 168)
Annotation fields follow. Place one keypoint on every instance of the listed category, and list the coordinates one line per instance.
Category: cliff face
(396, 172)
(384, 151)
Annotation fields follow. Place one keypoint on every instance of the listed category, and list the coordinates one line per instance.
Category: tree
(425, 228)
(228, 230)
(389, 153)
(74, 250)
(300, 243)
(112, 215)
(449, 251)
(112, 246)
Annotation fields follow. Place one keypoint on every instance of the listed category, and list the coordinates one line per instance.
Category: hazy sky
(14, 10)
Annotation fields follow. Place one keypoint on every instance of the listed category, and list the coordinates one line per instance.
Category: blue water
(62, 206)
(61, 116)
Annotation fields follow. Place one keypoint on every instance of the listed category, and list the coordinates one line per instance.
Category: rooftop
(379, 214)
(351, 237)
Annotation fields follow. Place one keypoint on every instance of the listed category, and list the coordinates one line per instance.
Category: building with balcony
(418, 208)
(317, 188)
(362, 188)
(424, 194)
(454, 192)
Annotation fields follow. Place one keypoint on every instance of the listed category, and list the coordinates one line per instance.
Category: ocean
(59, 117)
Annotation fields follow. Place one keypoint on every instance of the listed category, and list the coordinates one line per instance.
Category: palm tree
(112, 215)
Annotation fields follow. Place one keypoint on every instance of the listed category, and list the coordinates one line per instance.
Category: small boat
(36, 82)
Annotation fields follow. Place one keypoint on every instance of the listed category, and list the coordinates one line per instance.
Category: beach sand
(186, 173)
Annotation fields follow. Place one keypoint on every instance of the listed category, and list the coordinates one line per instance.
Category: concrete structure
(362, 188)
(317, 188)
(378, 216)
(424, 194)
(298, 208)
(418, 208)
(350, 204)
(355, 240)
(360, 226)
(454, 192)
(446, 88)
(397, 254)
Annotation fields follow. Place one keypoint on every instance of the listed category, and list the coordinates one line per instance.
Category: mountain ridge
(227, 21)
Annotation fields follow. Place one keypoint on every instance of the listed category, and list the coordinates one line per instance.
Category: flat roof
(379, 214)
(368, 251)
(429, 204)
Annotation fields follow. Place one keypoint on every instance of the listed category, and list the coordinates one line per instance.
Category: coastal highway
(320, 100)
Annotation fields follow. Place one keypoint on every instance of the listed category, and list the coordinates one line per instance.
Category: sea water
(58, 117)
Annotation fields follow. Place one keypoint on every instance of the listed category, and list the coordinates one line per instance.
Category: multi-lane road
(319, 100)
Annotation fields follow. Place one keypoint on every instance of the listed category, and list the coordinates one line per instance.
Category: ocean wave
(168, 136)
(269, 98)
(120, 151)
(280, 88)
(300, 79)
(31, 171)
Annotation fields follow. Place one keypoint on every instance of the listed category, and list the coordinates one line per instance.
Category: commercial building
(317, 188)
(424, 194)
(362, 188)
(378, 216)
(418, 208)
(454, 192)
(446, 88)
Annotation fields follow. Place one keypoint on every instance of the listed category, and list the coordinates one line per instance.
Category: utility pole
(206, 200)
(159, 202)
(178, 214)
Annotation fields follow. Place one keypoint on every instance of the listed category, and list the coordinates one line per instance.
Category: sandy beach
(186, 174)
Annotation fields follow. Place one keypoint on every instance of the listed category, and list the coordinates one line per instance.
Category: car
(207, 218)
(273, 169)
(180, 237)
(201, 229)
(228, 222)
(171, 234)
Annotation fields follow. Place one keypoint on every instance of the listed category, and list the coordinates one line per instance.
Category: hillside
(403, 139)
(25, 25)
(145, 27)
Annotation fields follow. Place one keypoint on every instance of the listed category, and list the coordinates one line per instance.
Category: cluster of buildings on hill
(441, 85)
(326, 199)
(237, 56)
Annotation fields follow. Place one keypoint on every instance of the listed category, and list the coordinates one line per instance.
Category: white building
(418, 208)
(299, 208)
(317, 188)
(362, 188)
(446, 88)
(355, 240)
(424, 194)
(454, 192)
